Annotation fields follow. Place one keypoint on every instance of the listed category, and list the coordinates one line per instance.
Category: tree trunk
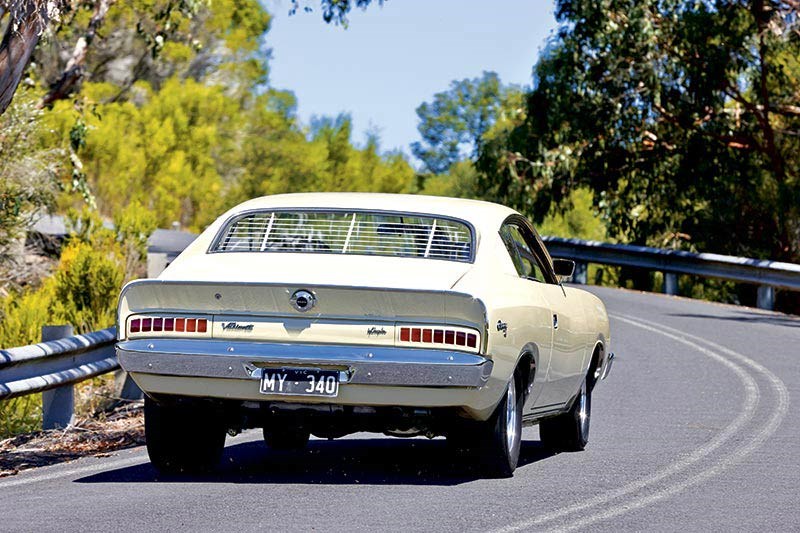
(20, 39)
(74, 71)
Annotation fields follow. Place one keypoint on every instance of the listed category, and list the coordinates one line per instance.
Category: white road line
(782, 400)
(88, 469)
(746, 412)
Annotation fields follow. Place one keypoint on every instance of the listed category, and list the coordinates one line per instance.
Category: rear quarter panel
(596, 329)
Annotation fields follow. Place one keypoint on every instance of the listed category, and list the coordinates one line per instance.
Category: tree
(452, 126)
(155, 22)
(335, 11)
(142, 40)
(27, 184)
(680, 116)
(25, 21)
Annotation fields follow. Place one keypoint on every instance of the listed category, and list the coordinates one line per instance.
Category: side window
(521, 254)
(511, 248)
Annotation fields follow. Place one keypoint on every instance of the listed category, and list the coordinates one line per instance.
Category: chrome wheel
(511, 416)
(569, 431)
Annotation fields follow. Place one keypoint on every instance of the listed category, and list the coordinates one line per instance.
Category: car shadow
(342, 462)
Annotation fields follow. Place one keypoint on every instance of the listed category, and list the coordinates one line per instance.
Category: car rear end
(352, 346)
(333, 320)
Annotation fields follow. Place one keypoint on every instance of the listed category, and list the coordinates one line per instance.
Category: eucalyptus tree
(453, 124)
(681, 116)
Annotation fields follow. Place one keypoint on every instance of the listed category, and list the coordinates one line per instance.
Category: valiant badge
(235, 326)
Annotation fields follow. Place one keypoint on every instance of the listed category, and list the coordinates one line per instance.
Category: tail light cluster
(150, 325)
(439, 337)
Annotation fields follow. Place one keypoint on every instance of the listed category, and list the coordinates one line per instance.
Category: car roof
(485, 216)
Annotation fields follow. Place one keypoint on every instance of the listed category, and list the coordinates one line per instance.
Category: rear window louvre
(340, 232)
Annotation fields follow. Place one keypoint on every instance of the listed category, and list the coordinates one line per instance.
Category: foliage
(84, 288)
(460, 181)
(20, 415)
(579, 221)
(334, 10)
(23, 315)
(190, 151)
(153, 41)
(27, 179)
(22, 22)
(87, 284)
(453, 125)
(134, 225)
(473, 113)
(83, 292)
(678, 115)
(201, 130)
(21, 319)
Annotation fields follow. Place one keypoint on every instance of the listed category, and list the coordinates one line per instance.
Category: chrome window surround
(232, 220)
(537, 246)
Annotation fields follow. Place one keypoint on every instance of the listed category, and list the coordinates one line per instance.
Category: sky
(392, 58)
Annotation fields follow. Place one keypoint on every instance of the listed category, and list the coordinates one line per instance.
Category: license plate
(300, 382)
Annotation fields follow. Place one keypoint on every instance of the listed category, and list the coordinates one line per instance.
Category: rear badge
(303, 300)
(235, 326)
(502, 326)
(376, 332)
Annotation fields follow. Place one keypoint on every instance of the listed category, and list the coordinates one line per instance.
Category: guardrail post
(58, 405)
(580, 274)
(765, 299)
(670, 285)
(126, 388)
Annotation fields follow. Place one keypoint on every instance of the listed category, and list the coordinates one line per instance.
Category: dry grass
(97, 436)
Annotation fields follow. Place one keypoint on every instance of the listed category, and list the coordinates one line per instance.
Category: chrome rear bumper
(363, 365)
(607, 366)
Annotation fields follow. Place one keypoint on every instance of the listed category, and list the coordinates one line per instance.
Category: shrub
(83, 292)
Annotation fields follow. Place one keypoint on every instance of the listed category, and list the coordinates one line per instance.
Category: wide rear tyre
(569, 432)
(288, 439)
(496, 442)
(181, 438)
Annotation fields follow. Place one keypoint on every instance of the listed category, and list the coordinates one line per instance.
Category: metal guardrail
(767, 274)
(50, 364)
(54, 365)
(62, 359)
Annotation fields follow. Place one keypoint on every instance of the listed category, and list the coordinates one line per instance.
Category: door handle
(555, 321)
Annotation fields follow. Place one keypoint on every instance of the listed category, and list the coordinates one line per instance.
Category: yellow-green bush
(23, 315)
(82, 291)
(87, 284)
(20, 415)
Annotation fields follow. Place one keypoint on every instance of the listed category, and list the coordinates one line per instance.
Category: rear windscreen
(339, 232)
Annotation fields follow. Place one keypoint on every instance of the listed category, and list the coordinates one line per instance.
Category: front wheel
(569, 431)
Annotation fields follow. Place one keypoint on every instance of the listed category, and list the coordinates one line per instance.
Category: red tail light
(141, 325)
(444, 337)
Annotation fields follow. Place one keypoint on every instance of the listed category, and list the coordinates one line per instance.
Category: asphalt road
(693, 430)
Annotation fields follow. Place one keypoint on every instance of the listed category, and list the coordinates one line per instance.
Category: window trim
(534, 241)
(231, 220)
